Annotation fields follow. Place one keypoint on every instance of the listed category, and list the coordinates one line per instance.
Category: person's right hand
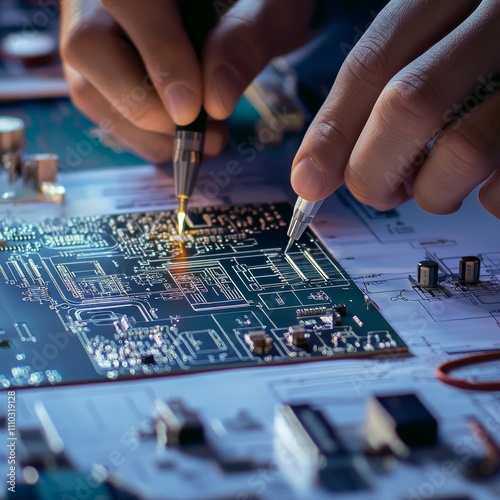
(131, 67)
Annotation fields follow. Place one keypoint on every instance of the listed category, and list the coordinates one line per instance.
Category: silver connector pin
(303, 213)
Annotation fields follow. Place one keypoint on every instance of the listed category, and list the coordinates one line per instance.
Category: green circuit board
(107, 297)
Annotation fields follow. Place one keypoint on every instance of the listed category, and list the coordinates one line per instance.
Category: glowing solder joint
(181, 215)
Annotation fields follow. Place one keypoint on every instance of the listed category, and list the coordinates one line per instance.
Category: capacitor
(42, 168)
(469, 269)
(11, 144)
(427, 273)
(298, 336)
(30, 49)
(178, 425)
(11, 134)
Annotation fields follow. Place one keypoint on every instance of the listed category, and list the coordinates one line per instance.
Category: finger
(393, 40)
(461, 159)
(417, 103)
(216, 138)
(246, 38)
(93, 42)
(489, 194)
(156, 29)
(155, 147)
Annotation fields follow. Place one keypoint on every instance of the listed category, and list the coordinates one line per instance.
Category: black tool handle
(198, 17)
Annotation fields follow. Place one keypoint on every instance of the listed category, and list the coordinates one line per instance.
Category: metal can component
(11, 134)
(427, 273)
(11, 144)
(469, 269)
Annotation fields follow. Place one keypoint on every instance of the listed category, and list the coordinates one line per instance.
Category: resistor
(311, 311)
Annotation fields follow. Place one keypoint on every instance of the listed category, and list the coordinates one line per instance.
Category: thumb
(246, 38)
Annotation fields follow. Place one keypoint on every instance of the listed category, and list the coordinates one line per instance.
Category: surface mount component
(400, 422)
(25, 178)
(469, 269)
(298, 336)
(177, 425)
(107, 297)
(259, 342)
(427, 273)
(317, 448)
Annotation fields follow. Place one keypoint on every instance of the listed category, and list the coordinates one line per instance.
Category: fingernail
(308, 178)
(180, 103)
(228, 86)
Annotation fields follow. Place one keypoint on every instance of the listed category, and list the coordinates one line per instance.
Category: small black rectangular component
(427, 273)
(177, 425)
(310, 425)
(340, 308)
(405, 416)
(36, 452)
(317, 441)
(469, 269)
(5, 344)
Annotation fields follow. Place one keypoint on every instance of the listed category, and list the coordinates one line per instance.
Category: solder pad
(106, 297)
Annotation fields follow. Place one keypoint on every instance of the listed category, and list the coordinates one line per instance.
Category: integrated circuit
(120, 296)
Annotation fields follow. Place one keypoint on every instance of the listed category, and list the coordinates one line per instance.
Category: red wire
(442, 372)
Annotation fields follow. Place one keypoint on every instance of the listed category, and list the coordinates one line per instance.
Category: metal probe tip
(290, 243)
(181, 215)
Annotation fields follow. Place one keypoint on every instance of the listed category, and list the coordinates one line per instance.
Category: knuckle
(408, 98)
(369, 61)
(464, 153)
(328, 134)
(75, 47)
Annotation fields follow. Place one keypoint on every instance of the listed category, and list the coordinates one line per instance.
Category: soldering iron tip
(181, 215)
(290, 243)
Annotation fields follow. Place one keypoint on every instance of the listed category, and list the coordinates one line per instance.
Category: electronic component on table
(25, 177)
(427, 273)
(298, 336)
(318, 449)
(259, 342)
(340, 308)
(177, 425)
(400, 422)
(488, 463)
(469, 269)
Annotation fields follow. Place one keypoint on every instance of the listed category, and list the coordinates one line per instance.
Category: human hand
(415, 68)
(131, 67)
